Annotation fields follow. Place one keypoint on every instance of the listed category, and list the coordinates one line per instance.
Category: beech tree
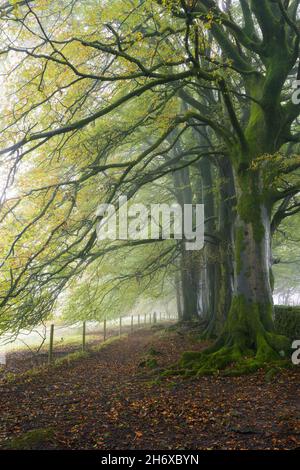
(94, 92)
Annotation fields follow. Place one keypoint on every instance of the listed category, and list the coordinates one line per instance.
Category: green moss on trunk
(239, 248)
(250, 201)
(245, 344)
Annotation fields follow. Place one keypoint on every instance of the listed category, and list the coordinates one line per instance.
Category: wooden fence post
(160, 316)
(131, 323)
(154, 317)
(150, 318)
(104, 329)
(83, 335)
(50, 356)
(120, 327)
(145, 318)
(139, 320)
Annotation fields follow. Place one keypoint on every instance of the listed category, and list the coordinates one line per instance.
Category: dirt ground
(111, 400)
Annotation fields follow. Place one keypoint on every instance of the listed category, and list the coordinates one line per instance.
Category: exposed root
(246, 345)
(226, 361)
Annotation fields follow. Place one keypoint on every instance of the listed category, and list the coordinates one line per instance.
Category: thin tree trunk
(178, 295)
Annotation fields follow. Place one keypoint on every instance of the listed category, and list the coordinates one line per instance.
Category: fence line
(134, 323)
(61, 340)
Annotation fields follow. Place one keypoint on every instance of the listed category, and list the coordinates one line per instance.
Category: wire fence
(48, 343)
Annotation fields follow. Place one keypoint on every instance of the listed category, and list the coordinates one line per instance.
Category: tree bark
(249, 327)
(178, 295)
(217, 287)
(189, 271)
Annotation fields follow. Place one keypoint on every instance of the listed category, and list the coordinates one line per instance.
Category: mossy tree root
(246, 344)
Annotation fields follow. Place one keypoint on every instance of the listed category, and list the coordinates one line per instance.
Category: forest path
(108, 401)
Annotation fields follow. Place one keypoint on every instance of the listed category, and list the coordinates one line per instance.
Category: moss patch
(150, 363)
(246, 344)
(34, 439)
(240, 246)
(250, 202)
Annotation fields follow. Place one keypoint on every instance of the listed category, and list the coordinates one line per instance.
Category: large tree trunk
(226, 229)
(218, 285)
(207, 291)
(190, 285)
(249, 327)
(248, 338)
(189, 270)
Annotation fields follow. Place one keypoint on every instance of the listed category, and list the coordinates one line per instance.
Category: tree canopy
(162, 101)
